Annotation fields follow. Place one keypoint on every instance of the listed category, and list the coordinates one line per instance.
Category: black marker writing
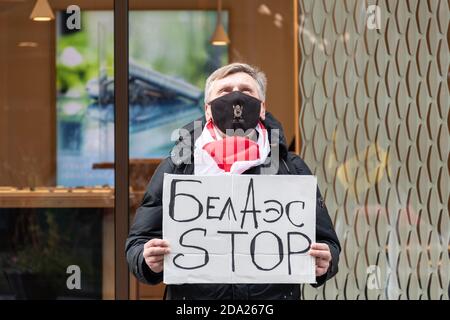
(253, 210)
(229, 206)
(296, 252)
(210, 206)
(288, 211)
(173, 195)
(194, 247)
(232, 244)
(280, 250)
(280, 212)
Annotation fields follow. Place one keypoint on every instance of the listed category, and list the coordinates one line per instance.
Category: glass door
(56, 149)
(173, 47)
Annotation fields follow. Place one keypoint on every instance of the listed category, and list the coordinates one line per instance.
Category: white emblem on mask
(237, 110)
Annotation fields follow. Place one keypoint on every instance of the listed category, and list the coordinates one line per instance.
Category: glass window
(173, 48)
(56, 208)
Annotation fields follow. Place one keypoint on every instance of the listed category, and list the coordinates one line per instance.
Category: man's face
(240, 81)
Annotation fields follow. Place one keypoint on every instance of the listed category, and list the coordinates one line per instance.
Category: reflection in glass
(165, 93)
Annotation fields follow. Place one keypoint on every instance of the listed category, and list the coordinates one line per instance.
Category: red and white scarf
(214, 155)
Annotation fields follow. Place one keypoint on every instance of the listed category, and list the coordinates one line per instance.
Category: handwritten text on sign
(239, 228)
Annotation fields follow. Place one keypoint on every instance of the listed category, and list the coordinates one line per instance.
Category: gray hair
(236, 67)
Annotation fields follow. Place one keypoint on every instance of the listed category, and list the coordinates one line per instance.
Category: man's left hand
(322, 253)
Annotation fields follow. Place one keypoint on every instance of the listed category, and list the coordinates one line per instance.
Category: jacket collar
(195, 128)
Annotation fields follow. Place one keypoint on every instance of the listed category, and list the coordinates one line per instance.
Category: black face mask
(235, 110)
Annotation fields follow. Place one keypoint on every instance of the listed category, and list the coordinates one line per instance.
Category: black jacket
(148, 224)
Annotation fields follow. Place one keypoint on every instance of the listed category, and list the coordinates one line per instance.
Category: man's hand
(322, 253)
(154, 251)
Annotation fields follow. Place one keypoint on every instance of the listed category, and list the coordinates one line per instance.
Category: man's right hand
(154, 251)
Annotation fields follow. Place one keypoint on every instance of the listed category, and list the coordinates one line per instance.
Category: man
(235, 115)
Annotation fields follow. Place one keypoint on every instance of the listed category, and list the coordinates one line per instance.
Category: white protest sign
(239, 228)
